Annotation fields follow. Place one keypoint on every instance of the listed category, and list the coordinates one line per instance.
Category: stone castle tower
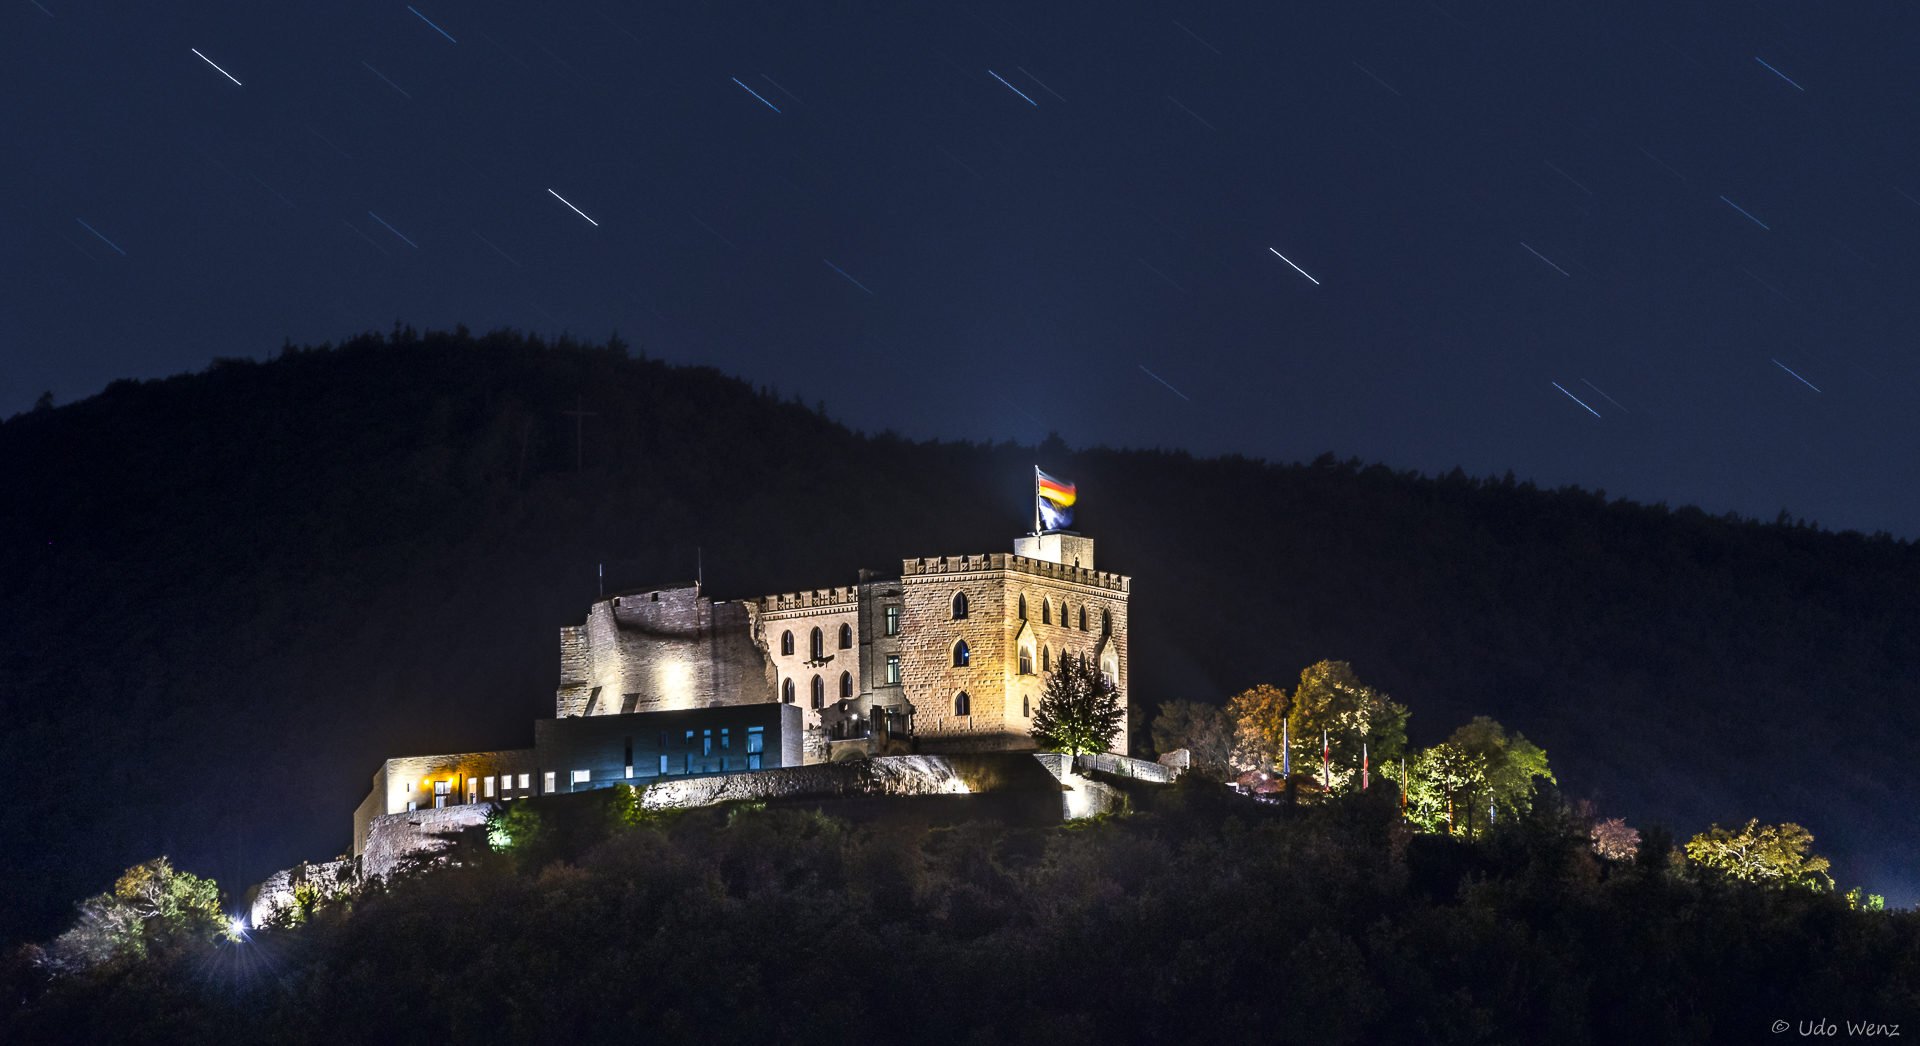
(952, 655)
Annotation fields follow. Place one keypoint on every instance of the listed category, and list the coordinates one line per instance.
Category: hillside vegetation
(1201, 916)
(228, 595)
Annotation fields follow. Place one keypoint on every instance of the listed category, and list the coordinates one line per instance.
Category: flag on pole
(1403, 785)
(1326, 761)
(1053, 501)
(1286, 752)
(1365, 780)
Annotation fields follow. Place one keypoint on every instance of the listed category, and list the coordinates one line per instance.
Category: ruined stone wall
(277, 900)
(392, 838)
(890, 775)
(661, 650)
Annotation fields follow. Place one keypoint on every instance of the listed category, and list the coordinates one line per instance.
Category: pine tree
(1080, 709)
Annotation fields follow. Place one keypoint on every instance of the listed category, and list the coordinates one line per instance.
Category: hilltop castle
(951, 656)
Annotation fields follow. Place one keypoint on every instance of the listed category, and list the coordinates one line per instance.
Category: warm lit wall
(800, 613)
(661, 650)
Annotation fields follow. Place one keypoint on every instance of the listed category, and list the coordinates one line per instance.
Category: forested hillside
(224, 597)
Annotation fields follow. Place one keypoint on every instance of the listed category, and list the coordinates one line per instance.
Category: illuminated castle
(951, 656)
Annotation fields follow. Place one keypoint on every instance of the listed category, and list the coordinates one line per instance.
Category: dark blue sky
(1494, 198)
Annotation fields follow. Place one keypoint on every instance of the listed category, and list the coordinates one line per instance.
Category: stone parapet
(819, 597)
(1019, 564)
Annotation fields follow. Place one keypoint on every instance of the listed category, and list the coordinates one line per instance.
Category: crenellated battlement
(1019, 564)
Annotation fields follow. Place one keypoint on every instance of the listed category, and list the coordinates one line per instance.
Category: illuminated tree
(1257, 717)
(1508, 766)
(1613, 840)
(1080, 709)
(151, 906)
(1331, 702)
(1205, 731)
(1770, 855)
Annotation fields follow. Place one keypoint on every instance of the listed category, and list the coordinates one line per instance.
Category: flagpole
(1036, 501)
(1286, 752)
(1365, 779)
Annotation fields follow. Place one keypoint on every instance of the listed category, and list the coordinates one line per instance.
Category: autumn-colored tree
(1205, 731)
(1331, 702)
(1257, 717)
(1613, 840)
(1080, 709)
(151, 906)
(1770, 855)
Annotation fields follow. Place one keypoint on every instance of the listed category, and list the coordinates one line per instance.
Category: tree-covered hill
(224, 597)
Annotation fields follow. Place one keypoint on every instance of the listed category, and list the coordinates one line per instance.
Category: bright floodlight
(238, 926)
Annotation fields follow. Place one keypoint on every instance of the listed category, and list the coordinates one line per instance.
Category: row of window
(817, 642)
(963, 705)
(819, 685)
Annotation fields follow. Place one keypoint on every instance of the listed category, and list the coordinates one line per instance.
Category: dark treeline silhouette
(225, 597)
(1201, 916)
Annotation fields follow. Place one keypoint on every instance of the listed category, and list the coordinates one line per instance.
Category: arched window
(819, 693)
(786, 691)
(846, 637)
(962, 657)
(1026, 661)
(846, 684)
(1106, 622)
(1026, 707)
(1066, 615)
(817, 645)
(962, 705)
(1083, 617)
(959, 605)
(1046, 611)
(1045, 660)
(786, 643)
(1023, 608)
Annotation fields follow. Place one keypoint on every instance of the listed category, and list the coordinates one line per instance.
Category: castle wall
(1000, 697)
(412, 779)
(662, 650)
(799, 613)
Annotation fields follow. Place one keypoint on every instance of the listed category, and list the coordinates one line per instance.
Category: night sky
(991, 221)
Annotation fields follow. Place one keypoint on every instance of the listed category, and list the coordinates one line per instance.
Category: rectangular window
(526, 781)
(546, 782)
(489, 788)
(725, 741)
(756, 739)
(473, 789)
(689, 762)
(893, 668)
(581, 777)
(706, 742)
(629, 769)
(412, 806)
(753, 760)
(689, 739)
(629, 759)
(893, 621)
(663, 765)
(724, 763)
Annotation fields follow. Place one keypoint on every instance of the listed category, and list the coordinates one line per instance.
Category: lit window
(726, 741)
(786, 643)
(962, 704)
(581, 777)
(893, 621)
(846, 637)
(753, 761)
(959, 605)
(706, 742)
(412, 806)
(489, 788)
(546, 782)
(629, 769)
(473, 789)
(756, 739)
(689, 762)
(846, 684)
(526, 781)
(817, 645)
(962, 657)
(893, 668)
(663, 765)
